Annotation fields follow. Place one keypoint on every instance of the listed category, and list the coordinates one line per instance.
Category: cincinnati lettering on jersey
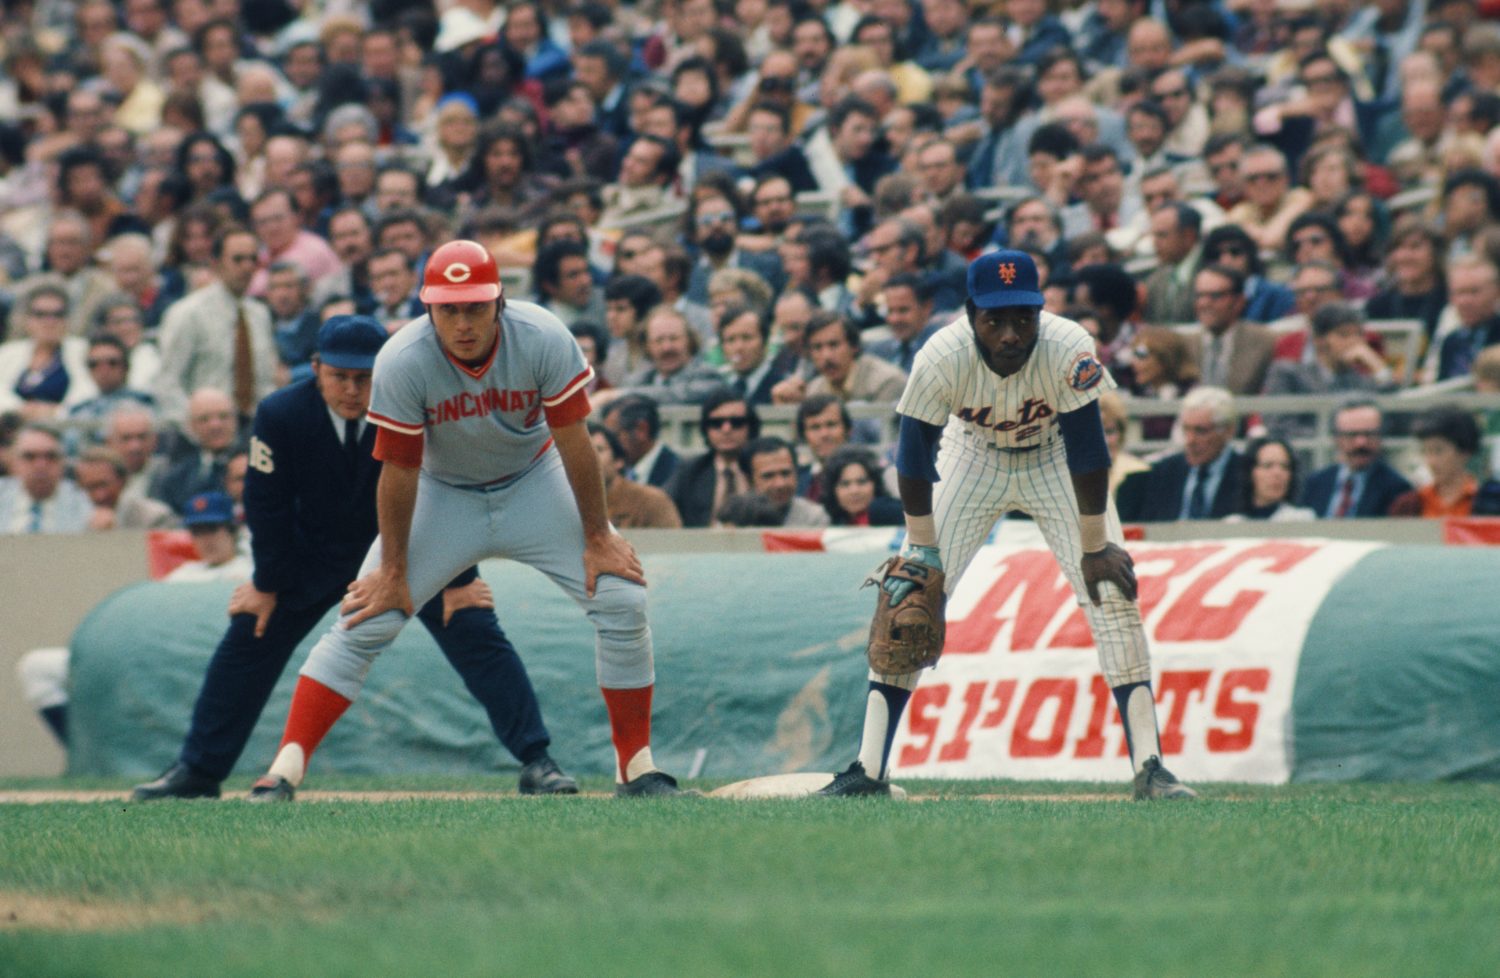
(1033, 411)
(480, 405)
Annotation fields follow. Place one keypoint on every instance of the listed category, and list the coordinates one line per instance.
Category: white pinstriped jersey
(949, 379)
(479, 424)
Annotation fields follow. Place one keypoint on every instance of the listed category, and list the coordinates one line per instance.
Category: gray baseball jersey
(483, 424)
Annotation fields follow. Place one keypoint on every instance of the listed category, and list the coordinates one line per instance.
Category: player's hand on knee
(248, 600)
(475, 594)
(1111, 564)
(375, 594)
(611, 554)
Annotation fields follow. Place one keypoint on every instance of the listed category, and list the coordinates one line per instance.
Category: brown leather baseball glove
(907, 631)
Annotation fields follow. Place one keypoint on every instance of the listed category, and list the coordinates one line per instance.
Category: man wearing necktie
(909, 307)
(311, 524)
(1232, 354)
(1202, 482)
(36, 498)
(216, 336)
(1361, 483)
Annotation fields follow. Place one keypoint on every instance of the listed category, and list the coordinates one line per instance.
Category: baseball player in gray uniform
(1011, 394)
(480, 407)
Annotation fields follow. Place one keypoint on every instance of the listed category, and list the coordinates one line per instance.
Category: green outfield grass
(1368, 880)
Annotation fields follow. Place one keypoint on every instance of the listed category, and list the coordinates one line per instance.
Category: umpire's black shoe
(853, 782)
(272, 787)
(649, 785)
(1153, 781)
(177, 781)
(543, 777)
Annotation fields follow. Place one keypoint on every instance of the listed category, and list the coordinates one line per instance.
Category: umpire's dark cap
(1004, 278)
(350, 342)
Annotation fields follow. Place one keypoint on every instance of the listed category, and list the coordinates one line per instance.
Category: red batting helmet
(460, 271)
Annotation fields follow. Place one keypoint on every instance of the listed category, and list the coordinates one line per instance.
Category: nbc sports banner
(1018, 692)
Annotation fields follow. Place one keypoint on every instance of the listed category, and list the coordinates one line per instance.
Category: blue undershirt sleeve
(1083, 439)
(917, 448)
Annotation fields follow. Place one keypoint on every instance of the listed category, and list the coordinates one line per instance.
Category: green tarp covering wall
(760, 670)
(1400, 674)
(759, 662)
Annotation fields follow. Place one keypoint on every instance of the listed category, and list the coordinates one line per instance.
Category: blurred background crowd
(1280, 219)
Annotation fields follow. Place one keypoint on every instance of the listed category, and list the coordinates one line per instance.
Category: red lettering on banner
(923, 714)
(1198, 708)
(1003, 694)
(1091, 744)
(1190, 620)
(1152, 585)
(1179, 687)
(1042, 592)
(1022, 743)
(1226, 707)
(1152, 588)
(958, 748)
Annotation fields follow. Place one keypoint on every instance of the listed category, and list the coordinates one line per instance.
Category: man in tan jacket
(629, 504)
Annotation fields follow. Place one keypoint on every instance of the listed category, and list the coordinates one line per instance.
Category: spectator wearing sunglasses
(37, 497)
(1316, 237)
(1271, 204)
(109, 367)
(702, 484)
(1232, 247)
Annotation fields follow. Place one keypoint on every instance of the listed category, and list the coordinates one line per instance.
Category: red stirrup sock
(315, 709)
(630, 729)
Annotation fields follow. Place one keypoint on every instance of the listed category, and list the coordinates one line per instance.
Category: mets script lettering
(1033, 411)
(483, 404)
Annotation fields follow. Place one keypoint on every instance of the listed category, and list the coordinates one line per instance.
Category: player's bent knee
(373, 634)
(618, 604)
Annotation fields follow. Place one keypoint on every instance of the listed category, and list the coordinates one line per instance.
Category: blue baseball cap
(209, 509)
(1004, 278)
(351, 342)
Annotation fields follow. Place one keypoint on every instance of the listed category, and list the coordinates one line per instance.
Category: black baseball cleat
(543, 777)
(853, 782)
(272, 787)
(650, 785)
(177, 781)
(1153, 781)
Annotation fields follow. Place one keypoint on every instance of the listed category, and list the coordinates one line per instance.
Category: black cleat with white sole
(1154, 782)
(652, 784)
(853, 782)
(272, 787)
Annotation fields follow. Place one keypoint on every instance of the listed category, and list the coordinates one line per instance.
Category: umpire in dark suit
(1362, 482)
(1205, 481)
(310, 506)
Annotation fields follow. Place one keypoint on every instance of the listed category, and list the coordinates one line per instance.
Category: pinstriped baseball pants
(980, 484)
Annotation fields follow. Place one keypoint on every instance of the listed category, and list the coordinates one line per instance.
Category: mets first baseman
(480, 408)
(1011, 393)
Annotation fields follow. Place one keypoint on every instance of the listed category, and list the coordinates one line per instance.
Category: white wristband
(921, 531)
(1093, 532)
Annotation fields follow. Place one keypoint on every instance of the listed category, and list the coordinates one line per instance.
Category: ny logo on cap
(1008, 272)
(459, 272)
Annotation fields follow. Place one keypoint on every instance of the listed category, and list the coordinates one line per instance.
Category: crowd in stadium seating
(744, 204)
